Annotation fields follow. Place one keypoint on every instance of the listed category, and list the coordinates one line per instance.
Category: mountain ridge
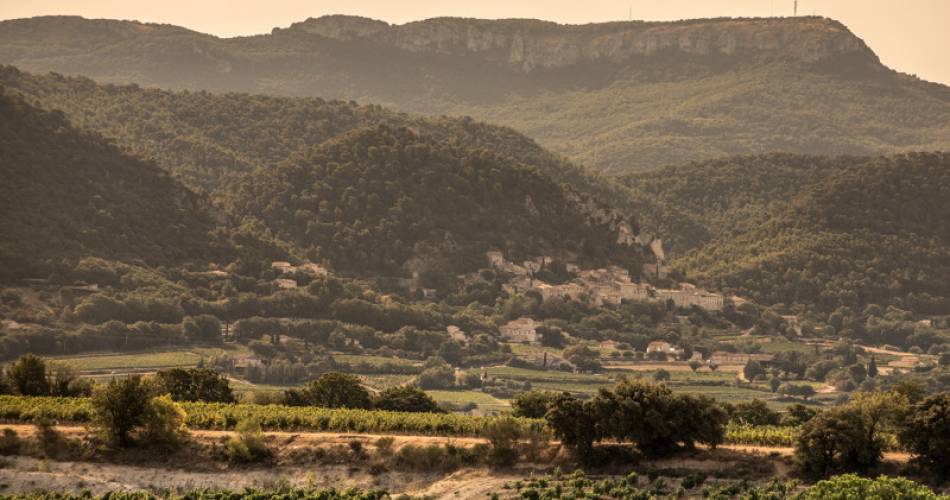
(618, 97)
(526, 44)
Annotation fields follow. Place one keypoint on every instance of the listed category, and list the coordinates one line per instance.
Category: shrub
(10, 442)
(120, 407)
(440, 376)
(247, 444)
(163, 422)
(503, 435)
(49, 439)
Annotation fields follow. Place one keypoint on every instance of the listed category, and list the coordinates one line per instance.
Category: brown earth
(295, 464)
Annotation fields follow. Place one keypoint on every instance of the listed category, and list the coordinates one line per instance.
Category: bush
(120, 407)
(926, 433)
(49, 438)
(10, 442)
(441, 376)
(163, 422)
(503, 435)
(247, 445)
(406, 398)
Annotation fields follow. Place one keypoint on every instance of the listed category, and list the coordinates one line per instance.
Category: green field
(353, 359)
(145, 360)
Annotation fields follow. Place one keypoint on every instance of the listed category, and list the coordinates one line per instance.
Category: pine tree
(872, 368)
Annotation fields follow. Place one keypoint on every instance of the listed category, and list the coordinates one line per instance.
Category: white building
(521, 330)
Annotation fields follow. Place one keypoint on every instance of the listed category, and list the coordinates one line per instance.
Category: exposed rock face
(528, 44)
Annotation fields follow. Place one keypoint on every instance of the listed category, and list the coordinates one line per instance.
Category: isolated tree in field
(332, 390)
(437, 376)
(753, 370)
(120, 407)
(661, 375)
(872, 368)
(695, 365)
(926, 433)
(27, 376)
(803, 391)
(195, 384)
(406, 398)
(774, 384)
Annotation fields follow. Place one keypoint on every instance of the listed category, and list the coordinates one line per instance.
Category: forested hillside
(377, 197)
(829, 232)
(619, 97)
(68, 193)
(210, 140)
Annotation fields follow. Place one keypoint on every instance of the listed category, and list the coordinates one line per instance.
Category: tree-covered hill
(831, 232)
(387, 201)
(620, 97)
(67, 193)
(210, 140)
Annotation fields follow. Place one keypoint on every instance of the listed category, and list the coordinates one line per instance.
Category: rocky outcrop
(529, 44)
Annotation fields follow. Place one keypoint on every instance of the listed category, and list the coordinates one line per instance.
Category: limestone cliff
(528, 44)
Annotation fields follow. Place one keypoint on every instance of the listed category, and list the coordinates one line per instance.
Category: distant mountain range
(620, 97)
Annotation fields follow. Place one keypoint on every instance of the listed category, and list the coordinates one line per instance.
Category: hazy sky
(908, 35)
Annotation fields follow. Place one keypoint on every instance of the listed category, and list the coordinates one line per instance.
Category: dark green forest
(374, 198)
(68, 193)
(210, 140)
(828, 232)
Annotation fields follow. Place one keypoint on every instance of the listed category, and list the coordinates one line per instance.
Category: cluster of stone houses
(688, 295)
(610, 285)
(288, 270)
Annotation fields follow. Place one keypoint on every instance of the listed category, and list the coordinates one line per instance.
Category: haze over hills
(832, 232)
(619, 96)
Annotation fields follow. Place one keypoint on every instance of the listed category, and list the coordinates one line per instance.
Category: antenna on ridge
(796, 8)
(630, 14)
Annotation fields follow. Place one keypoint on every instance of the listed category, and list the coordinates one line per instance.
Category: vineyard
(776, 435)
(221, 416)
